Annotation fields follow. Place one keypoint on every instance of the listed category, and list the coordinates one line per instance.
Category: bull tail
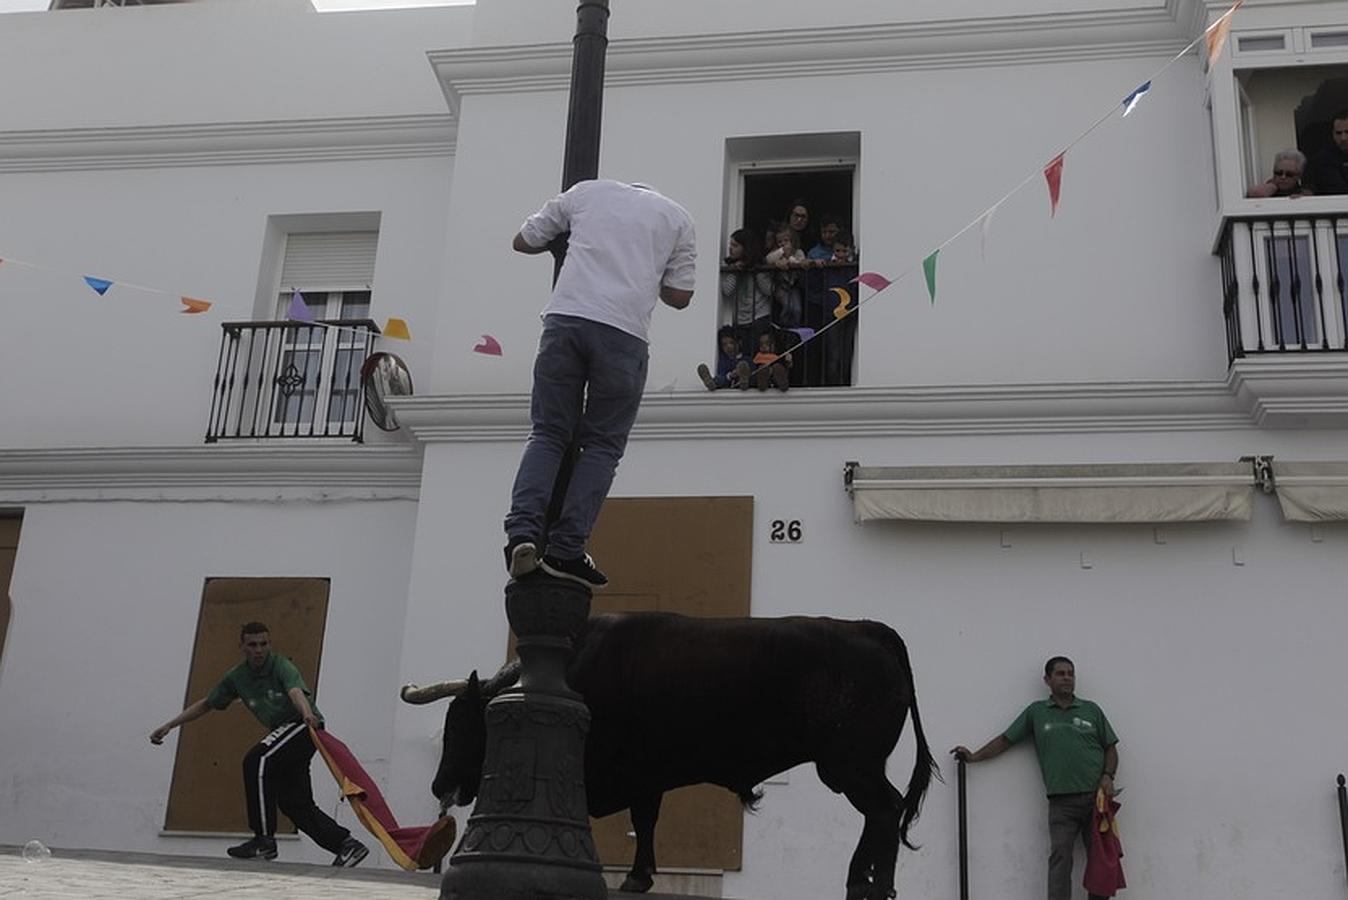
(924, 765)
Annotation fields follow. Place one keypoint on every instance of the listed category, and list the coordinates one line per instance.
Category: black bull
(676, 701)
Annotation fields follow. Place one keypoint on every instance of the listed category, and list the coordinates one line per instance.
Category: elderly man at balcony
(1288, 167)
(1329, 172)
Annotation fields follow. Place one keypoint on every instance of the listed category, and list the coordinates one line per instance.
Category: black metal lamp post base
(529, 835)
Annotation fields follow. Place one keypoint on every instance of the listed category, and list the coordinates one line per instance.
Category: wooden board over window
(690, 555)
(9, 547)
(207, 790)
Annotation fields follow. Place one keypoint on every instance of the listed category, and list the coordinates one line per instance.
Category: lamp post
(528, 837)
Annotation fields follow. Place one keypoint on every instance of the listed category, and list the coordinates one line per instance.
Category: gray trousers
(1069, 817)
(588, 380)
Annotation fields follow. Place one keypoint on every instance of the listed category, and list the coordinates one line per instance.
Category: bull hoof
(637, 884)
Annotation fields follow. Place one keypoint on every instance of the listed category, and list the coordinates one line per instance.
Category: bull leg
(870, 875)
(642, 876)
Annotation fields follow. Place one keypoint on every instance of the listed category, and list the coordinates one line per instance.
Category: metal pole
(580, 162)
(964, 835)
(1343, 818)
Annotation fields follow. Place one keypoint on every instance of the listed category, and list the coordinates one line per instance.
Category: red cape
(420, 847)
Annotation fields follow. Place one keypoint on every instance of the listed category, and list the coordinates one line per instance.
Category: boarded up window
(207, 790)
(690, 555)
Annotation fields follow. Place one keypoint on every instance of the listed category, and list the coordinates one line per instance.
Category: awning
(1312, 491)
(1137, 492)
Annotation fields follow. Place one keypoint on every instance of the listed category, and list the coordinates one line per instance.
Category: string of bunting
(1213, 38)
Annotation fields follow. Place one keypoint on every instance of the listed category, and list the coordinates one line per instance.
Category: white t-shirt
(626, 241)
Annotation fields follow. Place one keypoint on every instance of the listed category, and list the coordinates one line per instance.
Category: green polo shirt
(264, 691)
(1070, 743)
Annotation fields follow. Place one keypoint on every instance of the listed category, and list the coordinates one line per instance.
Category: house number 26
(785, 532)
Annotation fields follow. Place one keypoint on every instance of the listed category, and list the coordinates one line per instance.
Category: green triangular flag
(929, 270)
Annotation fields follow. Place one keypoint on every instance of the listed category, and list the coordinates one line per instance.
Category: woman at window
(746, 289)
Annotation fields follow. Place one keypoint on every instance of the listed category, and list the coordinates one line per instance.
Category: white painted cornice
(262, 472)
(939, 44)
(228, 143)
(861, 412)
(1292, 390)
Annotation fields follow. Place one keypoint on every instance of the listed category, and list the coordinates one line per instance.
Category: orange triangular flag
(1217, 32)
(192, 305)
(1053, 175)
(397, 329)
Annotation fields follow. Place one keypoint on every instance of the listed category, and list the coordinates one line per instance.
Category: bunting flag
(100, 285)
(873, 281)
(299, 311)
(488, 346)
(397, 329)
(929, 272)
(192, 305)
(1053, 175)
(985, 226)
(1217, 32)
(844, 300)
(1135, 97)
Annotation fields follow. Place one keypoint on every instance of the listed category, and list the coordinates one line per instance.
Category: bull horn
(412, 693)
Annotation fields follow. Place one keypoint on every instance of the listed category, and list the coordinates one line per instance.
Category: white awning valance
(1312, 491)
(1139, 492)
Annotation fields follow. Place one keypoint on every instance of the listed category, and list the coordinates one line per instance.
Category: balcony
(1284, 305)
(290, 380)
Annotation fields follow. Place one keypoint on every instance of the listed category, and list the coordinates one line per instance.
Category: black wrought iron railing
(1283, 283)
(290, 380)
(793, 305)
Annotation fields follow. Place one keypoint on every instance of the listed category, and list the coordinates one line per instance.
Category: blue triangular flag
(99, 285)
(299, 310)
(1135, 97)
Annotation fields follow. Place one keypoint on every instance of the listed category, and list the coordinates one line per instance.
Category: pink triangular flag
(873, 281)
(299, 310)
(1053, 175)
(488, 345)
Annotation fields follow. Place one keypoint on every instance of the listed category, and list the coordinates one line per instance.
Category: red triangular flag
(873, 281)
(1053, 174)
(488, 345)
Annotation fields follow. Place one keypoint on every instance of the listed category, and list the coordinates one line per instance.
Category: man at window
(1329, 172)
(1288, 167)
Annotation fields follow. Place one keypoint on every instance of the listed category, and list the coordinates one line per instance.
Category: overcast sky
(30, 5)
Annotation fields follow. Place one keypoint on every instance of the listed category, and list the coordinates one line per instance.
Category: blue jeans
(588, 380)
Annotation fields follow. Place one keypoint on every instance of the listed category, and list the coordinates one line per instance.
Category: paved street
(93, 875)
(99, 875)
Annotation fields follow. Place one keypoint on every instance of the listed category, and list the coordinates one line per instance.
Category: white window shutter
(339, 260)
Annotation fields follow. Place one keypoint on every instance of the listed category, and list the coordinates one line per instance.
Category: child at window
(772, 365)
(732, 365)
(787, 258)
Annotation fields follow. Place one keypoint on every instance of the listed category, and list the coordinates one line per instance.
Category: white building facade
(1049, 453)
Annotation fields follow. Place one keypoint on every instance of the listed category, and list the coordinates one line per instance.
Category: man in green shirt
(276, 770)
(1078, 754)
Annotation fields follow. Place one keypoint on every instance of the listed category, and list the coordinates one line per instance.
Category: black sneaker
(781, 379)
(350, 853)
(521, 556)
(704, 373)
(580, 570)
(742, 372)
(258, 848)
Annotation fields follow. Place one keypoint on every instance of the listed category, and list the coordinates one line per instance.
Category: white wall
(1221, 679)
(1120, 285)
(106, 599)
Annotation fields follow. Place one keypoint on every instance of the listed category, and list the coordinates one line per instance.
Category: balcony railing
(290, 380)
(794, 304)
(1283, 283)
